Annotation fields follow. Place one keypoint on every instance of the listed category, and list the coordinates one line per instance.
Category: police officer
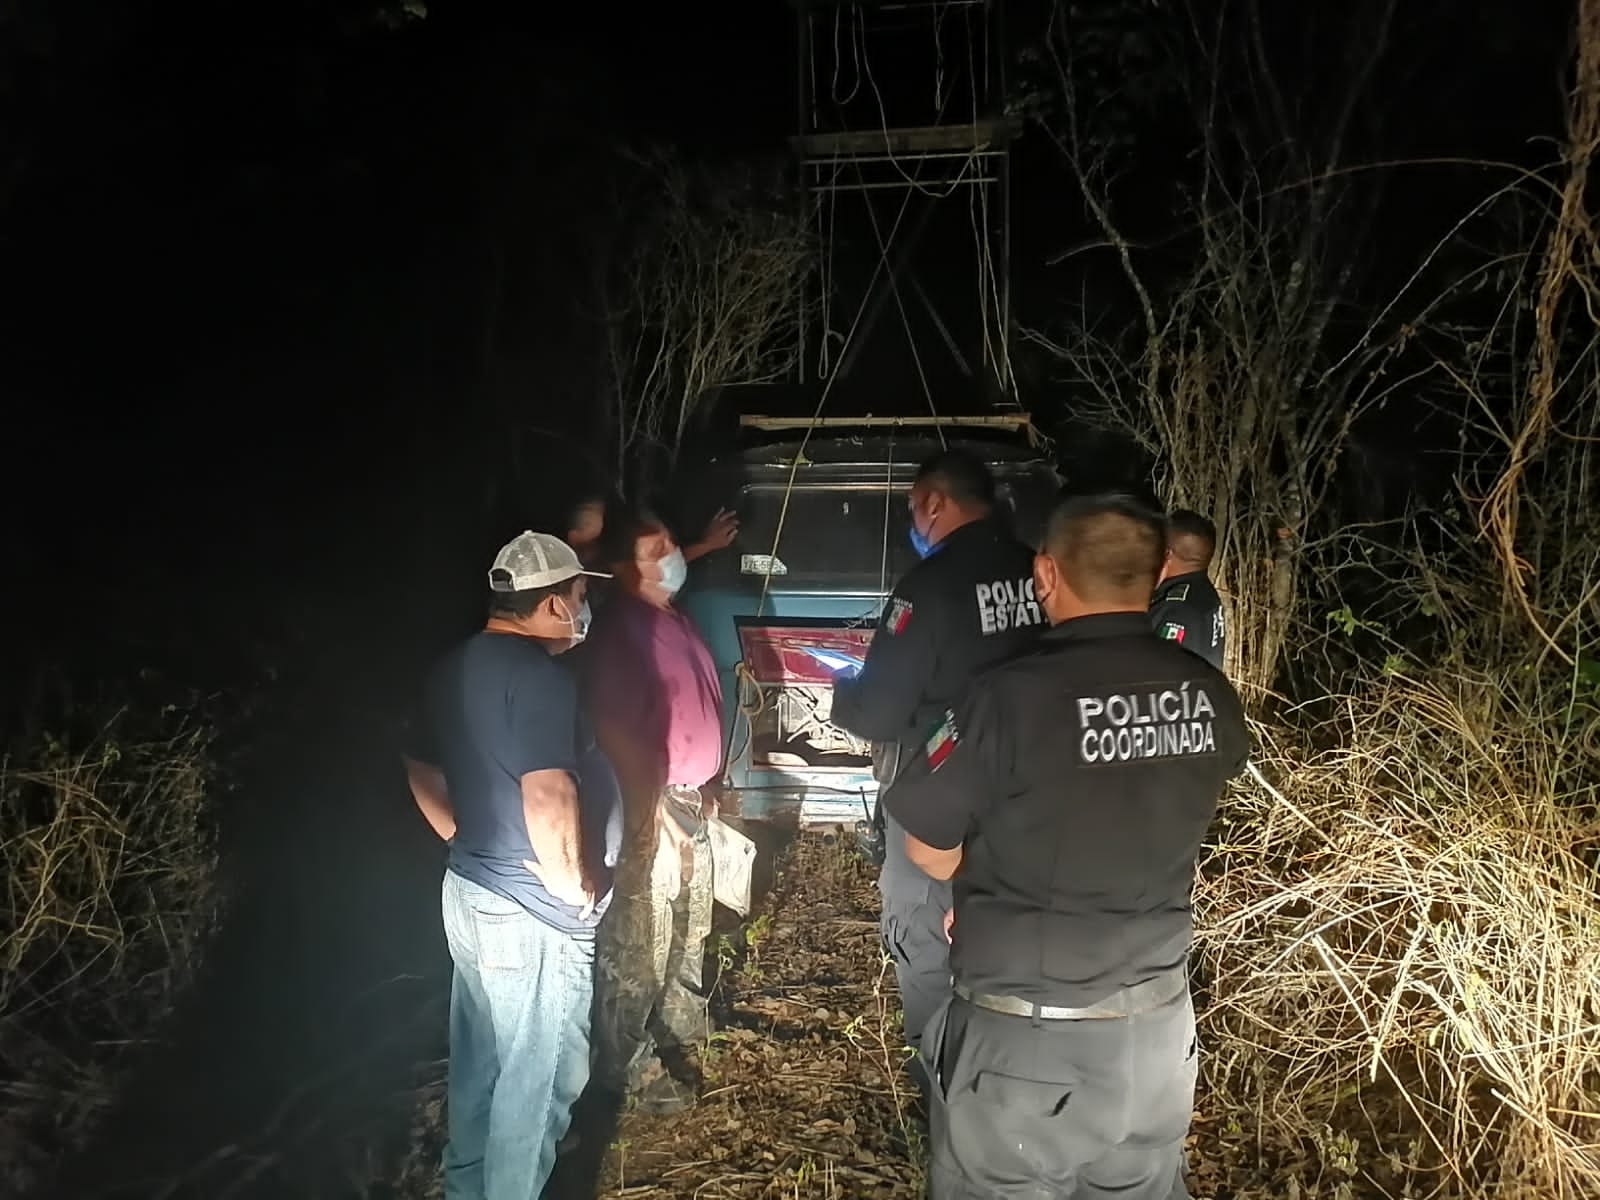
(1067, 794)
(969, 603)
(1186, 608)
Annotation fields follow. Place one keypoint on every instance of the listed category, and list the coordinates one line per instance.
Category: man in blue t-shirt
(506, 771)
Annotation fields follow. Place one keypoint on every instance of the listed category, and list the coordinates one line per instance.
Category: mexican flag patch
(898, 617)
(943, 741)
(1173, 632)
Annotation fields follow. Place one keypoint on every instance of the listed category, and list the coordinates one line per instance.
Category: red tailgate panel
(775, 654)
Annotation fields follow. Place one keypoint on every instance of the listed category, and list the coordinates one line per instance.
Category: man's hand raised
(720, 530)
(719, 535)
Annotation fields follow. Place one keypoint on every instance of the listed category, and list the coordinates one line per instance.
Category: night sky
(246, 264)
(247, 250)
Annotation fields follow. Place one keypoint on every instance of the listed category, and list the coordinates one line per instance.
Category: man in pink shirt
(586, 529)
(651, 690)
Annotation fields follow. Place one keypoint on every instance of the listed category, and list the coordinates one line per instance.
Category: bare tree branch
(701, 297)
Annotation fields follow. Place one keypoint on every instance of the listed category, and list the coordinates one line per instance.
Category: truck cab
(824, 534)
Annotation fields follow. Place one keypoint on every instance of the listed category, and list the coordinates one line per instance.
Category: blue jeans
(519, 1043)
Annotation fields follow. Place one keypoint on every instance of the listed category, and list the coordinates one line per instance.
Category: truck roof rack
(1019, 422)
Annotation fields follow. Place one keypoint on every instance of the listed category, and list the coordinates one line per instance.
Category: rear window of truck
(852, 537)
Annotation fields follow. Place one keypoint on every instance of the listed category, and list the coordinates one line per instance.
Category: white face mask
(578, 621)
(674, 572)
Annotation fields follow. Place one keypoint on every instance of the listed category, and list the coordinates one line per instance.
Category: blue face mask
(919, 543)
(674, 572)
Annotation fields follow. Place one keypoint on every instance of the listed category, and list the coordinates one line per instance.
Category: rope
(741, 671)
(825, 304)
(838, 61)
(883, 255)
(905, 323)
(741, 677)
(863, 67)
(913, 182)
(822, 400)
(988, 285)
(888, 498)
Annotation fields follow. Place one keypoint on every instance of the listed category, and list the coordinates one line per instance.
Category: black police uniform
(1080, 779)
(968, 604)
(1187, 610)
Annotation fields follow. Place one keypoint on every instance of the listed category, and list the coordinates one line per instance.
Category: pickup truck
(823, 536)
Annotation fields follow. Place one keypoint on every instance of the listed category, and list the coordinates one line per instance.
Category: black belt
(1129, 1002)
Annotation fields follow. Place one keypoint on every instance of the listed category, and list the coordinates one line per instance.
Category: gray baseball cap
(535, 560)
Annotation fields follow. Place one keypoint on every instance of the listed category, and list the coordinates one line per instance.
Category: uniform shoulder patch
(1172, 631)
(1176, 594)
(898, 616)
(943, 741)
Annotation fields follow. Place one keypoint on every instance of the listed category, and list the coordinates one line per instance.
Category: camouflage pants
(650, 949)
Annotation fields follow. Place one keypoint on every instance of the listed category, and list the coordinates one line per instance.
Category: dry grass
(108, 858)
(1402, 937)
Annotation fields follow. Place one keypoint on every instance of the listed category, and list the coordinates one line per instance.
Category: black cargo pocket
(935, 1051)
(889, 933)
(904, 938)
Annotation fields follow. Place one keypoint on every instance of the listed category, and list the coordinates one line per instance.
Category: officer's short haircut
(1108, 547)
(960, 475)
(1190, 536)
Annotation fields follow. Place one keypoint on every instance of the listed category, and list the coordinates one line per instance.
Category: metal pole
(997, 48)
(850, 160)
(929, 184)
(1005, 277)
(802, 126)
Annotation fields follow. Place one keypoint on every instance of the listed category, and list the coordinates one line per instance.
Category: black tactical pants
(1029, 1109)
(913, 934)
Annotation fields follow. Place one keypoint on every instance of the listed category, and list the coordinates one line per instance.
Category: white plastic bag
(733, 857)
